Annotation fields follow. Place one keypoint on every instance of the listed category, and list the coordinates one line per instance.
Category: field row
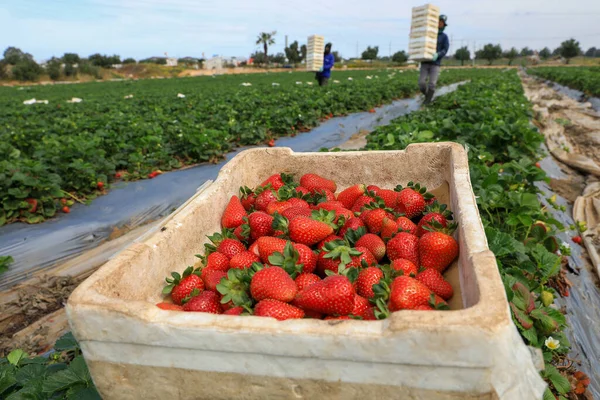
(55, 153)
(586, 79)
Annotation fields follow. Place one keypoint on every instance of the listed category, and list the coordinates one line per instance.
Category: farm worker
(325, 72)
(431, 69)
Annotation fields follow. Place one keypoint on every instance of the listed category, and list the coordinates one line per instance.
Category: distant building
(171, 62)
(215, 63)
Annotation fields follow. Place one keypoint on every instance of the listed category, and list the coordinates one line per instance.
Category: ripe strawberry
(331, 205)
(437, 250)
(374, 243)
(321, 195)
(361, 305)
(362, 201)
(33, 203)
(349, 196)
(311, 314)
(263, 200)
(374, 219)
(169, 306)
(268, 245)
(389, 228)
(259, 224)
(436, 283)
(332, 295)
(254, 248)
(243, 260)
(239, 233)
(234, 311)
(314, 182)
(327, 264)
(278, 207)
(304, 280)
(302, 190)
(63, 202)
(308, 231)
(66, 210)
(538, 165)
(271, 143)
(118, 175)
(369, 314)
(215, 261)
(206, 301)
(434, 212)
(366, 256)
(296, 202)
(212, 278)
(389, 197)
(181, 286)
(276, 181)
(231, 247)
(373, 188)
(247, 197)
(100, 185)
(407, 267)
(407, 225)
(410, 202)
(328, 239)
(366, 279)
(577, 239)
(234, 214)
(351, 224)
(273, 283)
(306, 257)
(293, 212)
(278, 310)
(404, 245)
(406, 293)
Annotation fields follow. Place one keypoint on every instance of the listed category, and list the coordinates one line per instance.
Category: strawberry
(277, 181)
(374, 243)
(366, 279)
(169, 306)
(436, 283)
(328, 239)
(278, 310)
(410, 203)
(327, 264)
(278, 207)
(100, 185)
(407, 267)
(389, 197)
(33, 203)
(362, 201)
(369, 314)
(263, 199)
(407, 225)
(268, 245)
(118, 175)
(258, 224)
(271, 143)
(66, 210)
(233, 214)
(361, 305)
(346, 256)
(206, 301)
(353, 223)
(314, 182)
(182, 286)
(577, 239)
(63, 202)
(294, 259)
(331, 205)
(538, 165)
(312, 314)
(339, 317)
(254, 248)
(215, 261)
(306, 257)
(404, 245)
(434, 212)
(247, 198)
(302, 190)
(273, 283)
(308, 231)
(234, 311)
(389, 228)
(235, 288)
(321, 195)
(372, 111)
(373, 188)
(293, 212)
(296, 202)
(212, 278)
(437, 250)
(332, 295)
(305, 280)
(231, 247)
(406, 293)
(374, 219)
(366, 256)
(349, 196)
(243, 260)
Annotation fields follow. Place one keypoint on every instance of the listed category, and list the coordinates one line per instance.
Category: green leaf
(30, 372)
(33, 391)
(531, 336)
(548, 395)
(66, 342)
(62, 380)
(560, 383)
(7, 377)
(502, 244)
(530, 200)
(88, 393)
(15, 356)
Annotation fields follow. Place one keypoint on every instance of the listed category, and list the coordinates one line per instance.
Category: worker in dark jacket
(431, 69)
(325, 72)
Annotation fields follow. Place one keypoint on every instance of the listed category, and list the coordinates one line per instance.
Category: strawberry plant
(586, 79)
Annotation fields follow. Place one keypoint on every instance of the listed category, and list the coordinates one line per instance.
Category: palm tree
(266, 39)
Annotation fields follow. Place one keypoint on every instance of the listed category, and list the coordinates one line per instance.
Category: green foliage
(336, 56)
(511, 55)
(53, 68)
(545, 53)
(463, 54)
(370, 53)
(400, 57)
(63, 375)
(104, 61)
(70, 70)
(71, 58)
(569, 49)
(87, 68)
(293, 53)
(525, 52)
(586, 79)
(266, 39)
(5, 262)
(13, 55)
(129, 61)
(27, 70)
(490, 52)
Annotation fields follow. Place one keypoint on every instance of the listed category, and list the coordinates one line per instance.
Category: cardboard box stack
(314, 53)
(423, 33)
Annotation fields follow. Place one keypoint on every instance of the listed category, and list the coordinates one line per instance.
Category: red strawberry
(118, 175)
(366, 279)
(326, 264)
(259, 224)
(389, 228)
(181, 286)
(247, 198)
(410, 202)
(404, 245)
(577, 239)
(538, 165)
(374, 219)
(306, 257)
(254, 248)
(215, 261)
(308, 231)
(407, 225)
(302, 190)
(373, 188)
(169, 306)
(234, 214)
(331, 205)
(328, 239)
(63, 202)
(361, 305)
(100, 185)
(435, 215)
(305, 280)
(437, 250)
(436, 283)
(296, 202)
(231, 247)
(243, 260)
(362, 201)
(312, 314)
(353, 223)
(321, 195)
(273, 283)
(293, 212)
(206, 301)
(234, 311)
(66, 210)
(276, 181)
(389, 197)
(212, 278)
(314, 182)
(349, 196)
(263, 200)
(278, 310)
(366, 255)
(278, 207)
(407, 267)
(407, 293)
(332, 295)
(374, 243)
(271, 143)
(268, 245)
(369, 314)
(33, 205)
(339, 317)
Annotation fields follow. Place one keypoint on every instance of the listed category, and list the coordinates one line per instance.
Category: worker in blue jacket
(431, 69)
(325, 72)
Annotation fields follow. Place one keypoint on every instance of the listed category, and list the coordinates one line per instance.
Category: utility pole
(286, 41)
(474, 50)
(356, 50)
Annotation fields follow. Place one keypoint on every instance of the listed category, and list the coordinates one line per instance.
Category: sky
(180, 28)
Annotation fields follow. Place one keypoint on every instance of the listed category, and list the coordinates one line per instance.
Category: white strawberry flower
(350, 78)
(369, 77)
(275, 84)
(336, 81)
(181, 96)
(552, 343)
(130, 96)
(246, 84)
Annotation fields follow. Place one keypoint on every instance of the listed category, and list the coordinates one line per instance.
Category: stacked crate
(422, 44)
(314, 53)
